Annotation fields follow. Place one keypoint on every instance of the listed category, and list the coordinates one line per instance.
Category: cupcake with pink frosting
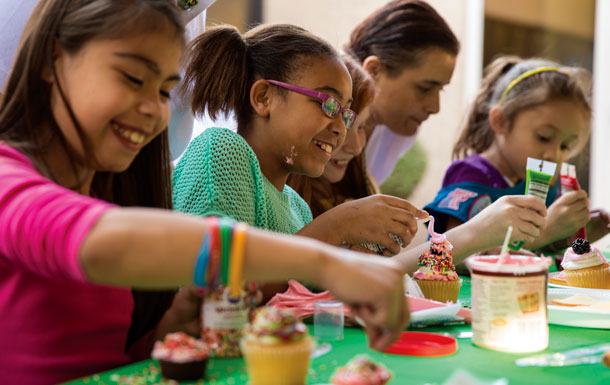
(585, 266)
(181, 357)
(436, 274)
(361, 370)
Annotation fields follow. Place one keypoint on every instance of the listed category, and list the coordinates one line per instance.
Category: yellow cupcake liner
(441, 291)
(282, 364)
(596, 277)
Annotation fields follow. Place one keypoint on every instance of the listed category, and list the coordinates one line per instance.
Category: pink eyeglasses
(330, 105)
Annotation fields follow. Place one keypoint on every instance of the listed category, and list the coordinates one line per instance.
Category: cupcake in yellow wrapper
(277, 348)
(436, 274)
(585, 266)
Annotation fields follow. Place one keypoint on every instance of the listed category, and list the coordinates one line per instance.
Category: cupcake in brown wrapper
(181, 357)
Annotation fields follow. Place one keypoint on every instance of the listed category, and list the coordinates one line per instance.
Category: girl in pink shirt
(82, 132)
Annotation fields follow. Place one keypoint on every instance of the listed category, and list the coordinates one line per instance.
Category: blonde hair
(519, 84)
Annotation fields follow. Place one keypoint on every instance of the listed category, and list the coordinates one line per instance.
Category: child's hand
(183, 315)
(373, 288)
(373, 218)
(525, 213)
(566, 215)
(599, 224)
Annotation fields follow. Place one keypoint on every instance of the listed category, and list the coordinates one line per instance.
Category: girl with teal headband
(525, 108)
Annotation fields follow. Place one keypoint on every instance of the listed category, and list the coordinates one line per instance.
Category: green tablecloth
(481, 363)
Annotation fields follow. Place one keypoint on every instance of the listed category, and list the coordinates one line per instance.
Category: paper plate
(579, 316)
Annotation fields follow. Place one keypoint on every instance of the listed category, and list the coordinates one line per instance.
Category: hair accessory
(527, 74)
(236, 267)
(202, 262)
(187, 4)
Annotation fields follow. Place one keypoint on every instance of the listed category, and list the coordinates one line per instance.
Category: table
(481, 363)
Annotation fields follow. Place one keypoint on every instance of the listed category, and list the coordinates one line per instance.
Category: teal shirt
(219, 174)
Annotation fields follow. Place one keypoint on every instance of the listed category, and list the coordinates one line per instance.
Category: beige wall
(568, 16)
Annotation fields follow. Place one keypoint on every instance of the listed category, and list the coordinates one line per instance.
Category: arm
(487, 229)
(112, 254)
(369, 219)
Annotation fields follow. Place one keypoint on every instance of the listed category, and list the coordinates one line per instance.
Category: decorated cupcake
(181, 357)
(276, 347)
(360, 370)
(436, 274)
(585, 266)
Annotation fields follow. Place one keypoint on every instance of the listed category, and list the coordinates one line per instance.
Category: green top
(219, 174)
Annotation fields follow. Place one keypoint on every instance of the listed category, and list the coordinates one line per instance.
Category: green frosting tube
(537, 183)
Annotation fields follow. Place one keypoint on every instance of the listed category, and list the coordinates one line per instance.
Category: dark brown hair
(399, 32)
(568, 83)
(27, 123)
(318, 192)
(222, 65)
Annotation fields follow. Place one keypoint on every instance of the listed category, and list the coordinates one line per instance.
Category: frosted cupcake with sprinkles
(276, 346)
(181, 357)
(361, 370)
(436, 274)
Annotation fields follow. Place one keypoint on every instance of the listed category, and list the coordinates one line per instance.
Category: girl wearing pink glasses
(291, 94)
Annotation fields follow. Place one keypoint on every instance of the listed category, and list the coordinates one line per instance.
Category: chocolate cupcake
(181, 357)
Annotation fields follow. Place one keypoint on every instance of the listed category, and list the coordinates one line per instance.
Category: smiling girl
(290, 92)
(525, 108)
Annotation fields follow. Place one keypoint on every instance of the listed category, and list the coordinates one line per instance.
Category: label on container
(222, 322)
(509, 312)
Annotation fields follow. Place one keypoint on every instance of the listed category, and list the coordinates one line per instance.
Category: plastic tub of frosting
(509, 311)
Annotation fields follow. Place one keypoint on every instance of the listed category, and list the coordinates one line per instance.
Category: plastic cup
(328, 320)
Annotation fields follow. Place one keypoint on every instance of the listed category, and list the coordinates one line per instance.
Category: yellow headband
(524, 75)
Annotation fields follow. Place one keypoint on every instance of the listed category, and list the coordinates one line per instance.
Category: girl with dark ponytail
(289, 91)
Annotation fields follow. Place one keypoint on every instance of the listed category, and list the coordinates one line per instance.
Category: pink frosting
(436, 237)
(361, 371)
(572, 258)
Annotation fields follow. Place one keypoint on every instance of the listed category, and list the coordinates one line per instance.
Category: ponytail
(476, 133)
(222, 65)
(217, 75)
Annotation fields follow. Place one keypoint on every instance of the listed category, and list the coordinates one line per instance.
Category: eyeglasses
(330, 105)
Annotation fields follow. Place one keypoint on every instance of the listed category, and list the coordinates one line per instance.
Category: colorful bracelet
(226, 231)
(236, 267)
(187, 4)
(212, 276)
(202, 262)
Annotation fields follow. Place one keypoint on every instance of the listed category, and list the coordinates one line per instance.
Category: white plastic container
(509, 311)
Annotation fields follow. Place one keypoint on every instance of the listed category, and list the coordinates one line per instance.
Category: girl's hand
(566, 215)
(184, 315)
(599, 224)
(525, 213)
(373, 288)
(373, 218)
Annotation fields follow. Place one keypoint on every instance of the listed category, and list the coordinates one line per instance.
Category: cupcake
(277, 348)
(360, 370)
(436, 274)
(181, 357)
(585, 266)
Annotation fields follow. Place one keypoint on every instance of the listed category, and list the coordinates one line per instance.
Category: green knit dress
(219, 174)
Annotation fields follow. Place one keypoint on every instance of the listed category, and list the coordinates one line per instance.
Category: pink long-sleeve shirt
(54, 324)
